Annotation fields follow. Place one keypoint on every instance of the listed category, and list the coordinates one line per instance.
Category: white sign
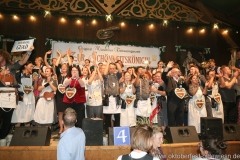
(23, 45)
(129, 55)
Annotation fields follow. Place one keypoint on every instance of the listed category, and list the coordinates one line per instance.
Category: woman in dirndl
(85, 77)
(127, 91)
(196, 105)
(26, 105)
(60, 105)
(44, 113)
(214, 96)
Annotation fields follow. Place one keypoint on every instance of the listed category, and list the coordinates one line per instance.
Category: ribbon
(32, 37)
(106, 44)
(1, 36)
(156, 110)
(162, 49)
(48, 40)
(177, 48)
(207, 50)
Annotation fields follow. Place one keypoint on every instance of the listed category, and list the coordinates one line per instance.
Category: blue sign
(121, 136)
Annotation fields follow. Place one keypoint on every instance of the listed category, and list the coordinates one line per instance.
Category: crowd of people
(122, 97)
(136, 95)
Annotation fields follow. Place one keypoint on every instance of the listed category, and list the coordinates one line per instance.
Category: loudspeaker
(93, 130)
(110, 136)
(231, 132)
(181, 134)
(211, 126)
(31, 136)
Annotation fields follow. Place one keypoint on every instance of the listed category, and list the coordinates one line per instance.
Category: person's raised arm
(25, 59)
(91, 77)
(94, 56)
(45, 58)
(119, 68)
(231, 83)
(100, 75)
(106, 67)
(59, 58)
(80, 50)
(69, 52)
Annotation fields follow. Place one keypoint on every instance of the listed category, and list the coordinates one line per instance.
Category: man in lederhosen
(8, 88)
(175, 103)
(142, 102)
(111, 99)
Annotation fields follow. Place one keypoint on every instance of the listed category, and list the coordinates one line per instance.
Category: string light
(165, 22)
(109, 17)
(63, 19)
(215, 26)
(32, 17)
(190, 30)
(78, 21)
(46, 13)
(122, 24)
(202, 30)
(225, 32)
(237, 32)
(151, 26)
(15, 17)
(94, 21)
(137, 25)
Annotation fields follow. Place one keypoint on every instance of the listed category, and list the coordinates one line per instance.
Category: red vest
(79, 97)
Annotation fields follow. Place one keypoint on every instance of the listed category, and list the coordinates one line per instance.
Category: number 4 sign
(121, 136)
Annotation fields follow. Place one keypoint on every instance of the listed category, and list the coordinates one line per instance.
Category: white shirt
(94, 97)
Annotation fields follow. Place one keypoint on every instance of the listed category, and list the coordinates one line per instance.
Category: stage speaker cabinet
(93, 130)
(231, 132)
(31, 136)
(110, 136)
(211, 126)
(181, 134)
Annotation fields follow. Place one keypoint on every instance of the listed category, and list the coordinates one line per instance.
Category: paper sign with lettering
(23, 45)
(121, 136)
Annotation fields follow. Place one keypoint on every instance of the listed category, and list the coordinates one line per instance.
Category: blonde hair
(141, 137)
(157, 130)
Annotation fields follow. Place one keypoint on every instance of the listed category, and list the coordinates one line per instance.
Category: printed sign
(23, 45)
(121, 136)
(129, 55)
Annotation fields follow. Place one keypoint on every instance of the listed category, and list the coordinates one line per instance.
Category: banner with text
(129, 55)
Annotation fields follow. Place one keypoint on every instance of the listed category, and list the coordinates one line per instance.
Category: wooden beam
(218, 15)
(123, 6)
(99, 8)
(205, 12)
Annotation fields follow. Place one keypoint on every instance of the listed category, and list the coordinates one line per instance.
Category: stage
(182, 151)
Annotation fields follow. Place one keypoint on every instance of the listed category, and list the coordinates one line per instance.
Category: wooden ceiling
(200, 11)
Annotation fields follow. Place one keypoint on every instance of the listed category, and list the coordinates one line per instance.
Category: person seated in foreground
(156, 150)
(141, 143)
(72, 142)
(211, 148)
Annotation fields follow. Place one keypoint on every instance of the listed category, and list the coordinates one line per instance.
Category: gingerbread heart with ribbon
(152, 96)
(70, 92)
(129, 99)
(27, 89)
(61, 88)
(180, 92)
(217, 98)
(199, 103)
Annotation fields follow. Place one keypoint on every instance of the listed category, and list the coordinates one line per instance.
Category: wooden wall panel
(169, 36)
(109, 152)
